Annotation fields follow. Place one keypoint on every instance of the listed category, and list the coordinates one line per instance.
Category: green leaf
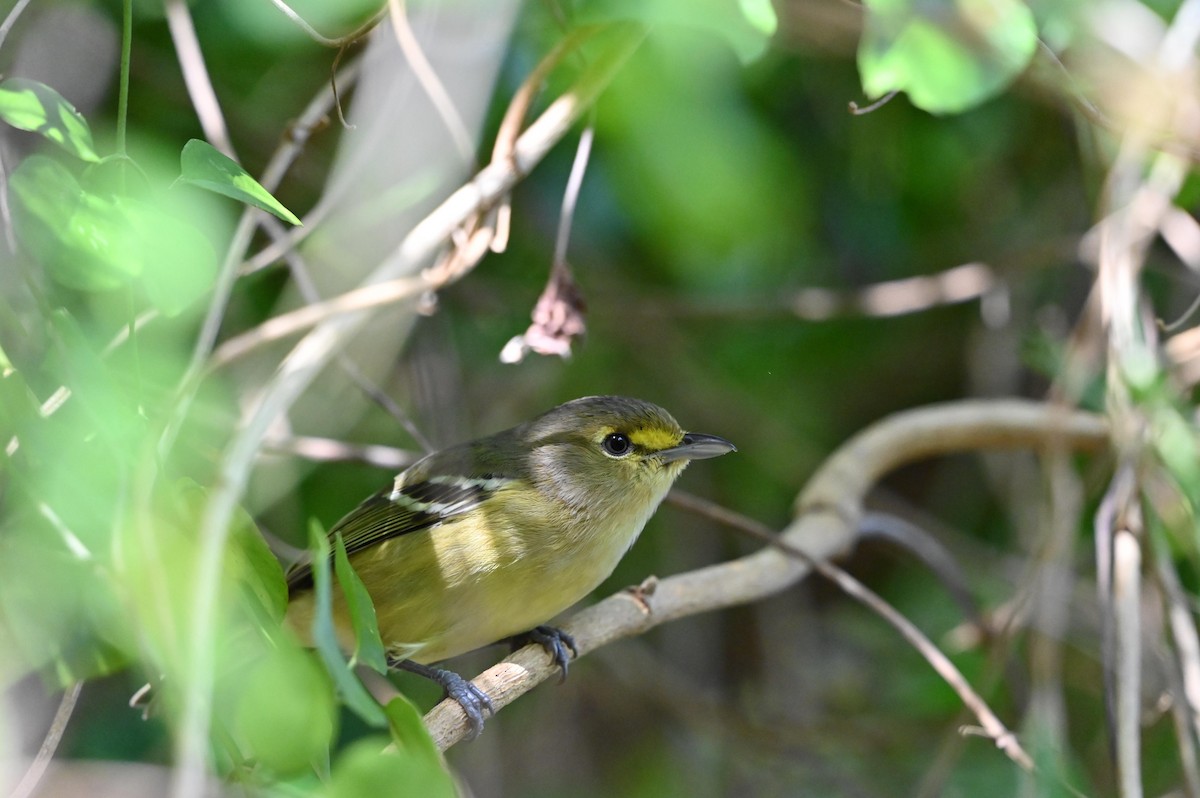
(368, 646)
(58, 612)
(947, 55)
(98, 241)
(33, 106)
(324, 636)
(761, 16)
(250, 560)
(413, 743)
(203, 166)
(745, 26)
(285, 713)
(409, 732)
(263, 571)
(82, 239)
(365, 769)
(18, 402)
(179, 264)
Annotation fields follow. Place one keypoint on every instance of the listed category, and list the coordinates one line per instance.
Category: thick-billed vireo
(490, 539)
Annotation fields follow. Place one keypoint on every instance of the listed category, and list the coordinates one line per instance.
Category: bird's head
(612, 452)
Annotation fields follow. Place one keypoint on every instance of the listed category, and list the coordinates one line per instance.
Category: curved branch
(827, 514)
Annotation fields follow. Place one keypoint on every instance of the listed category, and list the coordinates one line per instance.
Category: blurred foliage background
(734, 229)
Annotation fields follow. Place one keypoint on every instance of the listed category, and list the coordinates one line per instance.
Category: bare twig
(289, 150)
(558, 316)
(861, 110)
(571, 195)
(827, 514)
(425, 74)
(58, 725)
(995, 729)
(17, 9)
(1127, 614)
(195, 76)
(962, 283)
(1186, 651)
(325, 41)
(329, 450)
(308, 290)
(932, 554)
(302, 318)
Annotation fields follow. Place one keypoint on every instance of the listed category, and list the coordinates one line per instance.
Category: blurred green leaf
(947, 55)
(408, 729)
(81, 238)
(265, 574)
(286, 713)
(368, 646)
(366, 769)
(324, 635)
(250, 559)
(202, 165)
(761, 15)
(18, 404)
(97, 391)
(58, 613)
(745, 26)
(179, 262)
(33, 106)
(97, 242)
(1176, 441)
(413, 743)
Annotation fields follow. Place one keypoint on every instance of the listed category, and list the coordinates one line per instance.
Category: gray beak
(697, 446)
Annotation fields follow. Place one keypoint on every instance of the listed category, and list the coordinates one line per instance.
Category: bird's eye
(616, 444)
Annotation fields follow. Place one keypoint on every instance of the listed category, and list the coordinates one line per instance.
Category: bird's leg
(474, 702)
(554, 640)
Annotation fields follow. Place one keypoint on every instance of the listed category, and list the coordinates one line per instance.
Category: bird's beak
(697, 446)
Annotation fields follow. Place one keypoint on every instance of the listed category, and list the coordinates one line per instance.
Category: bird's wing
(399, 511)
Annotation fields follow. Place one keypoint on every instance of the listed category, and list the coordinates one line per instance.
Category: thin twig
(281, 161)
(329, 450)
(325, 41)
(932, 554)
(860, 110)
(195, 76)
(1004, 739)
(303, 318)
(58, 725)
(11, 19)
(1127, 613)
(571, 196)
(308, 291)
(426, 75)
(1185, 649)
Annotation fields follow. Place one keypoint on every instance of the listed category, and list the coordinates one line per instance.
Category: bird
(489, 540)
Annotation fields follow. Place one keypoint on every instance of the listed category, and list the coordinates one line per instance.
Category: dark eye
(616, 444)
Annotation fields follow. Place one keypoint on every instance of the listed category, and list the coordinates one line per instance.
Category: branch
(37, 768)
(827, 514)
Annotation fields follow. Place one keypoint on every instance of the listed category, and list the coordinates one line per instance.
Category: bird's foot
(474, 702)
(554, 640)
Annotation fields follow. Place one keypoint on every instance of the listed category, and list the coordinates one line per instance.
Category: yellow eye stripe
(653, 438)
